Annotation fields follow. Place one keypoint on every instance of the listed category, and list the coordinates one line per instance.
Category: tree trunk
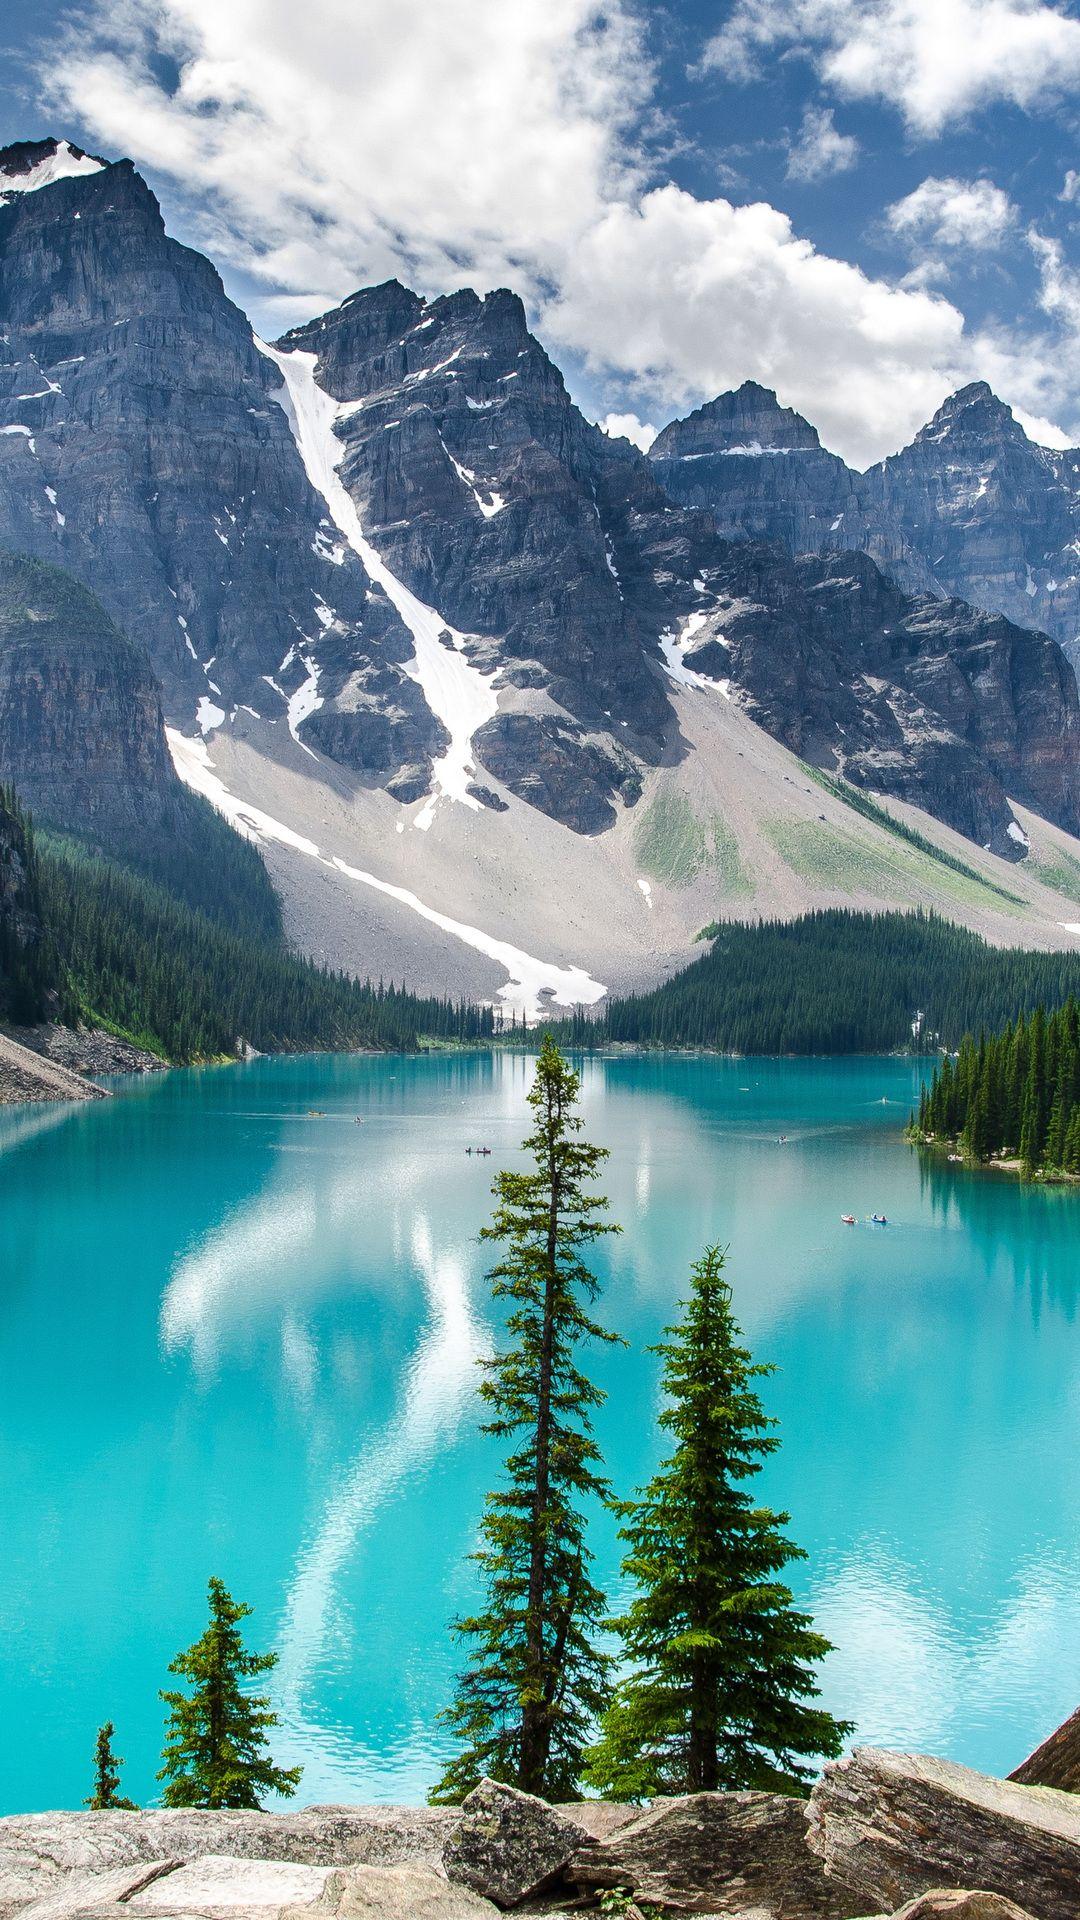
(536, 1713)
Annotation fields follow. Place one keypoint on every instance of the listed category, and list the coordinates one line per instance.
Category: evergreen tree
(107, 1765)
(215, 1751)
(536, 1683)
(722, 1678)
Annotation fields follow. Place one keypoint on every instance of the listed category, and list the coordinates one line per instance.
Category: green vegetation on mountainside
(673, 845)
(119, 951)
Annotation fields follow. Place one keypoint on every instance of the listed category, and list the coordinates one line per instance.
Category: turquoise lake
(238, 1337)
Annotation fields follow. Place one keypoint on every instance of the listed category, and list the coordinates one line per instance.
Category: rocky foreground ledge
(883, 1833)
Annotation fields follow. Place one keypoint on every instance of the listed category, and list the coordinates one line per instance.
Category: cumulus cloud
(953, 213)
(627, 426)
(821, 150)
(364, 138)
(1070, 189)
(475, 143)
(935, 60)
(694, 296)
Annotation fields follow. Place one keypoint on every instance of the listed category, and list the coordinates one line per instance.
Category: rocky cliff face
(81, 736)
(971, 509)
(141, 450)
(393, 537)
(82, 742)
(997, 517)
(929, 700)
(761, 471)
(492, 498)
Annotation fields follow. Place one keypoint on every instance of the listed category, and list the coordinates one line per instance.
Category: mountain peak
(747, 420)
(975, 412)
(27, 165)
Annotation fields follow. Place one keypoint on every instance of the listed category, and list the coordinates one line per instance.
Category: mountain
(82, 742)
(502, 716)
(996, 516)
(972, 508)
(762, 472)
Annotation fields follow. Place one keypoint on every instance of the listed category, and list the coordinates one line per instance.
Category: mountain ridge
(428, 634)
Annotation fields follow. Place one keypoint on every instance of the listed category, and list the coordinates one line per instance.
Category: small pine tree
(107, 1765)
(537, 1681)
(722, 1662)
(215, 1752)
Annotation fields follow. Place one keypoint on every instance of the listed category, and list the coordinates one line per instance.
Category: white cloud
(1070, 188)
(953, 213)
(350, 142)
(485, 144)
(627, 426)
(935, 60)
(821, 150)
(694, 296)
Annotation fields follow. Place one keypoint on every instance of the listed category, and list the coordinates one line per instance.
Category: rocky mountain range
(384, 571)
(972, 508)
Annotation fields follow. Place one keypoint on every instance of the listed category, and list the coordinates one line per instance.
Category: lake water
(239, 1337)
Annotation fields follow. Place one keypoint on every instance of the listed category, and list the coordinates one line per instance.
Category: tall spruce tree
(215, 1752)
(107, 1765)
(537, 1681)
(722, 1680)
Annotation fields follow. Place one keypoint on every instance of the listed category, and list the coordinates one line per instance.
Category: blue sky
(860, 202)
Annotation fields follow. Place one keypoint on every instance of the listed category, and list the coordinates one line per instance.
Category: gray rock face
(487, 493)
(143, 451)
(509, 1844)
(81, 733)
(761, 471)
(717, 1853)
(221, 1887)
(39, 1852)
(996, 516)
(889, 1827)
(971, 509)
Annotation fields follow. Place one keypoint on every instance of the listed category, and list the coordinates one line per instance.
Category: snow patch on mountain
(457, 693)
(532, 984)
(64, 163)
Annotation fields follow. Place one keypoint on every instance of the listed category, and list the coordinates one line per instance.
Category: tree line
(716, 1683)
(117, 949)
(1014, 1094)
(834, 981)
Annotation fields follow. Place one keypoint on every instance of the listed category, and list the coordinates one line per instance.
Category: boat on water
(879, 1219)
(848, 1219)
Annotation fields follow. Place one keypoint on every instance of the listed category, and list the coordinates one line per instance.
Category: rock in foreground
(888, 1827)
(509, 1844)
(717, 1853)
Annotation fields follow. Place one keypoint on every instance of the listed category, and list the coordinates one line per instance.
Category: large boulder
(1056, 1763)
(223, 1887)
(509, 1844)
(716, 1853)
(888, 1827)
(39, 1851)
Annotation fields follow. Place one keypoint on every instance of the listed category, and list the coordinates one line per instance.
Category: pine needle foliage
(1014, 1094)
(216, 1752)
(107, 1765)
(834, 981)
(537, 1679)
(721, 1688)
